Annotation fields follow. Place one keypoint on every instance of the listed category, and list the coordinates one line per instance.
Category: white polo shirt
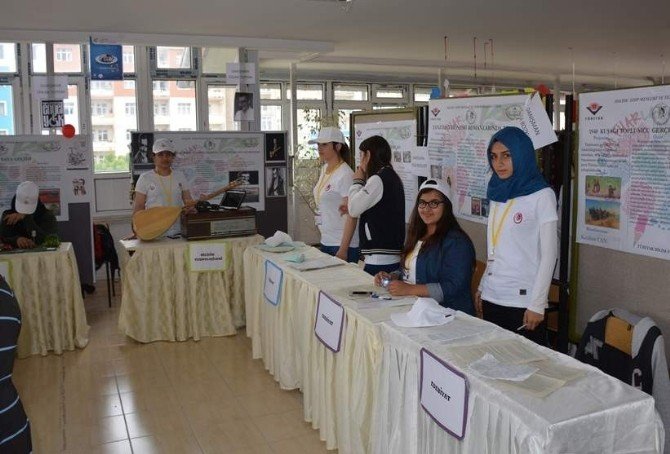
(162, 191)
(512, 265)
(329, 192)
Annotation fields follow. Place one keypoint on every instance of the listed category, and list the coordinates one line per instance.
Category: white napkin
(278, 238)
(424, 312)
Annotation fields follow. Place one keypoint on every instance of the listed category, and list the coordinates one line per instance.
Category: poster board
(400, 129)
(63, 169)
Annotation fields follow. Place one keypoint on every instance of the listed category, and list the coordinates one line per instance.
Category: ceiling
(610, 42)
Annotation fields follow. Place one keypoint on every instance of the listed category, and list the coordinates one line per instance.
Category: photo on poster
(407, 156)
(244, 106)
(275, 148)
(250, 180)
(141, 151)
(485, 208)
(435, 171)
(475, 206)
(602, 213)
(51, 199)
(79, 187)
(603, 186)
(78, 157)
(275, 181)
(397, 156)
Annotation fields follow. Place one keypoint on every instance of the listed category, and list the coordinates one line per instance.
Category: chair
(105, 253)
(630, 348)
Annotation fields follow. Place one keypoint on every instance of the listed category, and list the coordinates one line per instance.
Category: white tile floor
(119, 396)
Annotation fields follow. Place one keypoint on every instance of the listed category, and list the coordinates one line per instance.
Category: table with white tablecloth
(592, 413)
(163, 299)
(47, 287)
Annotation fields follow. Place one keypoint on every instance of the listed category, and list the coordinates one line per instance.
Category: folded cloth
(278, 238)
(424, 312)
(295, 257)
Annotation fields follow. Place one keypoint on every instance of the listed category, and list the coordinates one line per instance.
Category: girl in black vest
(377, 198)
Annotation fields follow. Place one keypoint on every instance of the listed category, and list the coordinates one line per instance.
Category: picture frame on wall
(275, 147)
(275, 181)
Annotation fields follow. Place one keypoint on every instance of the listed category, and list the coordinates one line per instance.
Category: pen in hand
(521, 327)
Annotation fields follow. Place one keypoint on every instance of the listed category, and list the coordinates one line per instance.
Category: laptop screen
(232, 199)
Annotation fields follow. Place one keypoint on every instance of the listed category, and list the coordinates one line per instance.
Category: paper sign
(329, 322)
(106, 61)
(420, 162)
(444, 394)
(272, 286)
(5, 271)
(208, 257)
(53, 114)
(535, 122)
(49, 87)
(241, 73)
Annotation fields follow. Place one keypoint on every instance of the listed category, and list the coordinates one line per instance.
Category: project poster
(210, 161)
(401, 136)
(61, 167)
(624, 170)
(458, 134)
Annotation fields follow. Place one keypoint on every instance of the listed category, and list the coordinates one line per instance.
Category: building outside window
(63, 54)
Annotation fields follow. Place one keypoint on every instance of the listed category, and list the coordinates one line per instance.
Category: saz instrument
(151, 223)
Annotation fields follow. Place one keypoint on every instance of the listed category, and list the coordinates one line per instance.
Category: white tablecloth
(592, 414)
(48, 290)
(338, 387)
(163, 300)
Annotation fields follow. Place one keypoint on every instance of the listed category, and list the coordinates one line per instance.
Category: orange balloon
(68, 131)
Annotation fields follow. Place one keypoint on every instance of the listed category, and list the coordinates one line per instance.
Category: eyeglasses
(432, 204)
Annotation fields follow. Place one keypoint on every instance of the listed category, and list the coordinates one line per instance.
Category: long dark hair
(344, 152)
(417, 228)
(380, 154)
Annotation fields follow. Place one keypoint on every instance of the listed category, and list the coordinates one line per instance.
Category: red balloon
(68, 131)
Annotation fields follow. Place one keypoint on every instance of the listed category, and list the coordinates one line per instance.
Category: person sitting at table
(162, 186)
(438, 258)
(377, 199)
(28, 222)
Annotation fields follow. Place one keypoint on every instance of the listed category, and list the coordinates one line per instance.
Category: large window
(220, 106)
(179, 97)
(173, 57)
(7, 58)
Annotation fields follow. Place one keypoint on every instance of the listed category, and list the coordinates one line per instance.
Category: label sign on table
(444, 394)
(272, 286)
(208, 257)
(329, 322)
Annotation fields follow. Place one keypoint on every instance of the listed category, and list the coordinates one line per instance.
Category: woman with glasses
(438, 257)
(521, 238)
(377, 199)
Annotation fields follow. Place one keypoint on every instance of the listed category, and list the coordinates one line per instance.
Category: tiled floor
(119, 396)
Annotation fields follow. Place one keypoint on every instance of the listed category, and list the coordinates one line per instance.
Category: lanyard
(495, 234)
(167, 193)
(323, 181)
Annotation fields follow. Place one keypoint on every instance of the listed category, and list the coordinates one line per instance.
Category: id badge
(317, 219)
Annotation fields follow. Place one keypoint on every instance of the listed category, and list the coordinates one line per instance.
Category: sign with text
(49, 87)
(106, 61)
(53, 113)
(208, 257)
(272, 285)
(329, 322)
(444, 394)
(241, 73)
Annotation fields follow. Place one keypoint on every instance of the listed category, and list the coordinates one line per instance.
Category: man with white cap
(163, 186)
(28, 222)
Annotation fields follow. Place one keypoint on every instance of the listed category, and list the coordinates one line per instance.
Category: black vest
(382, 228)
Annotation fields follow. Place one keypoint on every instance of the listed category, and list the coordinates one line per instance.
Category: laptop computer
(232, 200)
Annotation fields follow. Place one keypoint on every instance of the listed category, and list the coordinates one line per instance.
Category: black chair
(105, 254)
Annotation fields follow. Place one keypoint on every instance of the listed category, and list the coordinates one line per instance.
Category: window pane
(214, 59)
(180, 99)
(386, 106)
(422, 94)
(128, 59)
(308, 128)
(270, 91)
(6, 110)
(307, 92)
(221, 106)
(173, 57)
(271, 118)
(113, 115)
(7, 58)
(343, 117)
(39, 58)
(350, 92)
(67, 58)
(390, 92)
(71, 110)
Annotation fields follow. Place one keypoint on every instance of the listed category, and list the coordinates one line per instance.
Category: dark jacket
(449, 265)
(42, 222)
(381, 228)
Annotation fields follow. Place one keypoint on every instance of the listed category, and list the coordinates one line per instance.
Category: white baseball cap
(327, 135)
(164, 145)
(27, 195)
(424, 312)
(438, 185)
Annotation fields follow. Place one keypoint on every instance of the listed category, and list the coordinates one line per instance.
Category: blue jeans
(374, 269)
(353, 253)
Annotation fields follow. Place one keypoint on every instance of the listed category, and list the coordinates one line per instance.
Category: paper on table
(558, 371)
(510, 351)
(462, 329)
(489, 367)
(537, 385)
(377, 303)
(317, 264)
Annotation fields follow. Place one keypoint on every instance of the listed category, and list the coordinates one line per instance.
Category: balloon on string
(68, 131)
(543, 89)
